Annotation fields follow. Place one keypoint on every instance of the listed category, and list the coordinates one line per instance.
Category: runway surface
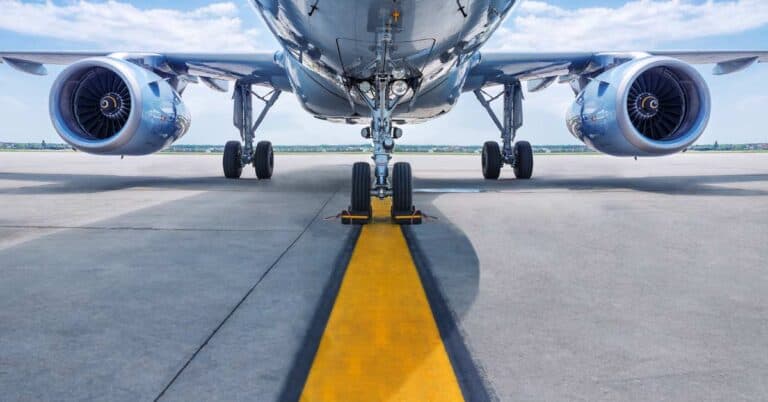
(601, 279)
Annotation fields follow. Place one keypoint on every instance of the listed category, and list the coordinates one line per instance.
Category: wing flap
(25, 66)
(734, 66)
(56, 58)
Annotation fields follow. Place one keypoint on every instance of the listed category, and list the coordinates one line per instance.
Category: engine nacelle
(109, 106)
(647, 107)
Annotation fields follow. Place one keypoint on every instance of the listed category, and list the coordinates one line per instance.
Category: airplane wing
(543, 69)
(212, 69)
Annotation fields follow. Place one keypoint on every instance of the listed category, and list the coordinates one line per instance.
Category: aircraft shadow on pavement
(449, 269)
(303, 181)
(450, 273)
(320, 179)
(709, 185)
(446, 259)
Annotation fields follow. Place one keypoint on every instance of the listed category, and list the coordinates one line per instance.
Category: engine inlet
(102, 103)
(657, 104)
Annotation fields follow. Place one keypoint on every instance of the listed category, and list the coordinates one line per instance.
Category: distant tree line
(366, 148)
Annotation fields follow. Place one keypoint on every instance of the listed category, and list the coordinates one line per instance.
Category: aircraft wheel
(264, 160)
(523, 160)
(491, 160)
(361, 188)
(232, 160)
(402, 187)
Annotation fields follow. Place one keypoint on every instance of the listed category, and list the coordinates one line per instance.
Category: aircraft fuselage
(330, 44)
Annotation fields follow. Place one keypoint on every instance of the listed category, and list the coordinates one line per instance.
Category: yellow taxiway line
(381, 342)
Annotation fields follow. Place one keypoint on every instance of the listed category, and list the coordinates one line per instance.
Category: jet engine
(647, 107)
(109, 106)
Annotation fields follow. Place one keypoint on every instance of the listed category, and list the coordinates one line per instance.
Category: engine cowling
(652, 106)
(109, 106)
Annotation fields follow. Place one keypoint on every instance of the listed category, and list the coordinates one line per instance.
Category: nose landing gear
(382, 93)
(400, 185)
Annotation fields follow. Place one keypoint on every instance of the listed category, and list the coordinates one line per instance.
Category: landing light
(399, 87)
(397, 133)
(366, 133)
(364, 86)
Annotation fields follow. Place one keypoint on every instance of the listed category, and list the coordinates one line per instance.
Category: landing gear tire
(361, 188)
(233, 160)
(523, 160)
(491, 160)
(402, 188)
(264, 160)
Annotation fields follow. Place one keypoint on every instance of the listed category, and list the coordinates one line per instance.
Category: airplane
(383, 64)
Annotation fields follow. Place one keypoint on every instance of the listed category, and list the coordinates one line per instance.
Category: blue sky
(739, 100)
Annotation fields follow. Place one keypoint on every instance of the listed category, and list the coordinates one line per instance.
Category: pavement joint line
(245, 297)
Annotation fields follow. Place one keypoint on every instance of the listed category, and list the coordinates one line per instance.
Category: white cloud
(120, 25)
(537, 25)
(223, 27)
(637, 25)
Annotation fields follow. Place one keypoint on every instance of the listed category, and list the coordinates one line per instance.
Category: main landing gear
(239, 154)
(519, 155)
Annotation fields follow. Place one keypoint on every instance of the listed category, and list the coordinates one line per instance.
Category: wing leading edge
(543, 69)
(256, 68)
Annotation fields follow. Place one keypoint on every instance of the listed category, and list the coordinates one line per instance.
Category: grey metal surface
(601, 279)
(260, 67)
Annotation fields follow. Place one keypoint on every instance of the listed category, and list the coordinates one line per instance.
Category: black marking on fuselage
(462, 9)
(314, 7)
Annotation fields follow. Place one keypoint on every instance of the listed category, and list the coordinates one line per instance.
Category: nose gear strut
(382, 100)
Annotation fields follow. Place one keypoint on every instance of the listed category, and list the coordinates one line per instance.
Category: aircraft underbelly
(334, 40)
(346, 30)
